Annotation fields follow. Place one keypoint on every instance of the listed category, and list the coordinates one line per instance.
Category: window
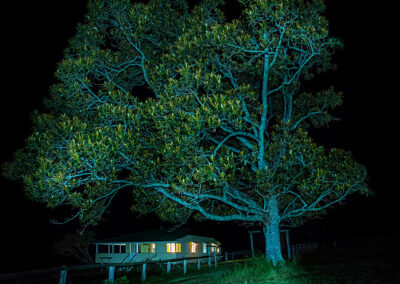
(212, 249)
(218, 249)
(119, 248)
(204, 248)
(148, 248)
(173, 247)
(193, 247)
(103, 248)
(138, 248)
(170, 247)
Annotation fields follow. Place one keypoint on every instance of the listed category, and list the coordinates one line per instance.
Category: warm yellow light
(173, 247)
(193, 247)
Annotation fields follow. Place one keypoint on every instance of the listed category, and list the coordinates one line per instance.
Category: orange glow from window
(193, 247)
(173, 247)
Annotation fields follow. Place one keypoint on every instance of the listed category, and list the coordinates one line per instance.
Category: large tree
(223, 135)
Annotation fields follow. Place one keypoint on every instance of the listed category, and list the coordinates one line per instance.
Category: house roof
(149, 236)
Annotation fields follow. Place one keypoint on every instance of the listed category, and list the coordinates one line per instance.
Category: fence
(303, 248)
(63, 271)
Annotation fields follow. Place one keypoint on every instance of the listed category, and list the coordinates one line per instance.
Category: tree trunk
(271, 232)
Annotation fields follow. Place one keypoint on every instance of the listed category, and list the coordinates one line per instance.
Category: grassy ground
(348, 266)
(377, 263)
(374, 263)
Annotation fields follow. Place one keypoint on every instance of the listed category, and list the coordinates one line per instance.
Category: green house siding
(147, 253)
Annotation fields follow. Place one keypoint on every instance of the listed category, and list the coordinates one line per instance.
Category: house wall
(160, 251)
(186, 249)
(159, 254)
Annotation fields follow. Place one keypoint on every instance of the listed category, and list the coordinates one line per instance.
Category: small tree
(75, 245)
(224, 136)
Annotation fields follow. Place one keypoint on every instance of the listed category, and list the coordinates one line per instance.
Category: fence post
(144, 272)
(288, 244)
(63, 276)
(251, 244)
(198, 264)
(168, 267)
(185, 266)
(226, 256)
(215, 260)
(111, 271)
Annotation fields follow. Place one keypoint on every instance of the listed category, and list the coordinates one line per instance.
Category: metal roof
(152, 236)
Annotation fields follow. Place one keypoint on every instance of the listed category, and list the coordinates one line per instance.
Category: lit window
(173, 247)
(212, 249)
(170, 247)
(148, 248)
(193, 247)
(218, 249)
(204, 248)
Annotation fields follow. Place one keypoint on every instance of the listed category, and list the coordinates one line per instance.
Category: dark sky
(34, 42)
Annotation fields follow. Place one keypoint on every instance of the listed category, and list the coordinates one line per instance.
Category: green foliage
(223, 137)
(120, 280)
(258, 270)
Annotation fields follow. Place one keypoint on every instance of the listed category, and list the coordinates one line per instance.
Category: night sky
(34, 41)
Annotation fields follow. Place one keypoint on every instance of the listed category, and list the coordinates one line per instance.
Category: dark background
(34, 37)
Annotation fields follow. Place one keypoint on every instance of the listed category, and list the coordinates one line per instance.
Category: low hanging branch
(224, 136)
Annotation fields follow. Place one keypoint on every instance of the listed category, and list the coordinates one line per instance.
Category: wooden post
(168, 267)
(63, 276)
(251, 241)
(111, 271)
(251, 244)
(215, 260)
(226, 256)
(288, 244)
(144, 272)
(185, 266)
(198, 264)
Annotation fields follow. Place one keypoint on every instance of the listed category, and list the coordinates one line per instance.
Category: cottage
(154, 245)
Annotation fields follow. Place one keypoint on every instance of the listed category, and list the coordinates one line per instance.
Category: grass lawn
(377, 263)
(373, 263)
